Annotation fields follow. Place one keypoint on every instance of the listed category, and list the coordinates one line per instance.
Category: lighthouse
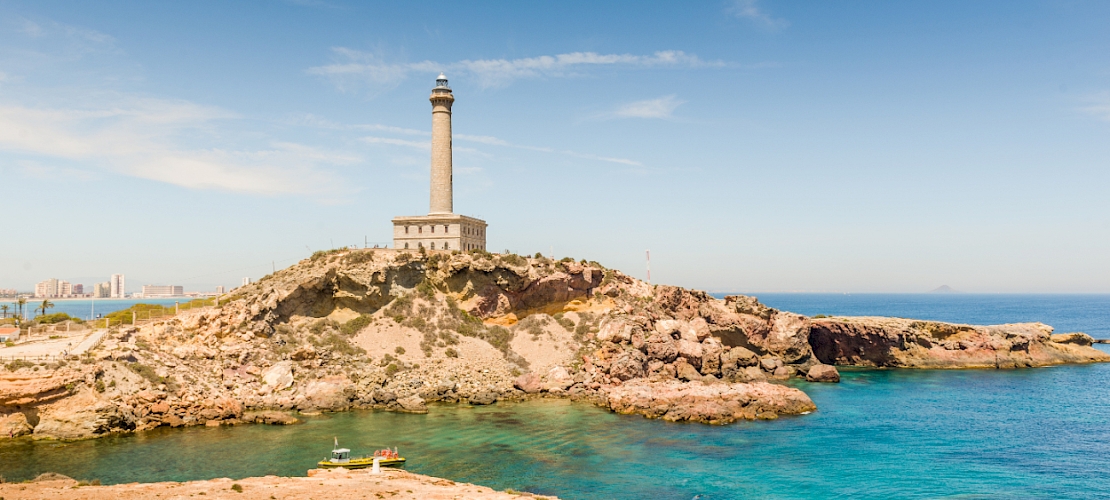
(442, 228)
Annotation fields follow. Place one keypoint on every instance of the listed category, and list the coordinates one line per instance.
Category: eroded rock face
(14, 425)
(712, 403)
(896, 342)
(82, 416)
(279, 376)
(413, 404)
(529, 383)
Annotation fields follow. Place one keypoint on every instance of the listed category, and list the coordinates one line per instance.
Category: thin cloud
(749, 9)
(396, 142)
(357, 68)
(143, 137)
(662, 107)
(1099, 107)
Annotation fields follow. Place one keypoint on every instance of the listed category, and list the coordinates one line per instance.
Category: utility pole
(648, 266)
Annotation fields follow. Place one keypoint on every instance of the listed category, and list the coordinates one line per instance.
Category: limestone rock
(686, 371)
(557, 378)
(14, 425)
(83, 415)
(628, 365)
(718, 403)
(271, 418)
(483, 398)
(279, 376)
(529, 383)
(1076, 338)
(823, 373)
(413, 404)
(327, 393)
(662, 347)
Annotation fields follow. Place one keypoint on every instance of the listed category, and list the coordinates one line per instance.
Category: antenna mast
(648, 252)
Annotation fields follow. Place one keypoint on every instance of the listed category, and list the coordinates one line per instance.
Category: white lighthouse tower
(441, 229)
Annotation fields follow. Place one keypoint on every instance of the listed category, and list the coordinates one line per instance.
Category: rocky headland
(396, 330)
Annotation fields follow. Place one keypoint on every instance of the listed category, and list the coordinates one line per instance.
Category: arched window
(420, 229)
(433, 245)
(420, 244)
(406, 231)
(446, 246)
(446, 229)
(433, 229)
(406, 246)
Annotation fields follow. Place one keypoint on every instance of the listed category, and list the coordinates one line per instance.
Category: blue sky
(751, 145)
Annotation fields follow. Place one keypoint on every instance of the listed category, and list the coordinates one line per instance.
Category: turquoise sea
(88, 308)
(1036, 433)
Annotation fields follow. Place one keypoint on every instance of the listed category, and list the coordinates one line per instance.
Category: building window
(420, 244)
(446, 246)
(446, 229)
(420, 229)
(433, 229)
(406, 244)
(433, 245)
(406, 230)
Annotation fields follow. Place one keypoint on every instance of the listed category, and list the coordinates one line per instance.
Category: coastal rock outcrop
(823, 373)
(906, 343)
(718, 403)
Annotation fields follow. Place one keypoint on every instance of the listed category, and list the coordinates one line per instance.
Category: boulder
(628, 365)
(711, 357)
(686, 371)
(383, 397)
(557, 378)
(304, 353)
(279, 376)
(14, 425)
(528, 382)
(823, 373)
(327, 393)
(413, 404)
(662, 347)
(691, 351)
(483, 398)
(271, 418)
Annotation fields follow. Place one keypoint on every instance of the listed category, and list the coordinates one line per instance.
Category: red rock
(528, 382)
(711, 403)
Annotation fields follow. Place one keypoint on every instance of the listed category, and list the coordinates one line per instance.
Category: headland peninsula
(395, 330)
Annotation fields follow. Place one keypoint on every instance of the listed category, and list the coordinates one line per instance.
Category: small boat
(341, 457)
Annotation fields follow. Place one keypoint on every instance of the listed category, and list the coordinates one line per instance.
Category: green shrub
(17, 364)
(359, 257)
(50, 319)
(451, 353)
(353, 326)
(513, 259)
(148, 373)
(426, 289)
(399, 350)
(236, 488)
(392, 369)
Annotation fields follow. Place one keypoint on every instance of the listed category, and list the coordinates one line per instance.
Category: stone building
(442, 228)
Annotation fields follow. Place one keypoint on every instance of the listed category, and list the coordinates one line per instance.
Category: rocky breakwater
(906, 343)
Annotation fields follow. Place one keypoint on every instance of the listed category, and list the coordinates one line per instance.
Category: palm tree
(4, 308)
(46, 304)
(21, 302)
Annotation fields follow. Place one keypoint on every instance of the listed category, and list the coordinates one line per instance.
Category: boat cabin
(340, 456)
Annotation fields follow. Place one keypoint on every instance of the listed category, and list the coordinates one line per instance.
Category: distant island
(944, 289)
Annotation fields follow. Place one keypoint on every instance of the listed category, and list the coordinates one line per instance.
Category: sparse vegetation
(353, 326)
(237, 488)
(17, 364)
(399, 350)
(152, 376)
(451, 353)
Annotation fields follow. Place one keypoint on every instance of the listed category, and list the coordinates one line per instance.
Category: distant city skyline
(751, 145)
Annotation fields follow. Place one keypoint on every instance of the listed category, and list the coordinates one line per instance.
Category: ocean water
(86, 309)
(1035, 433)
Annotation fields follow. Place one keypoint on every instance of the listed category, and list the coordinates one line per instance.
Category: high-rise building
(246, 281)
(102, 290)
(163, 291)
(65, 288)
(441, 229)
(220, 289)
(48, 288)
(119, 286)
(78, 289)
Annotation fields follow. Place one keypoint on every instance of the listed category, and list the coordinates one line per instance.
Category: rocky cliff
(396, 330)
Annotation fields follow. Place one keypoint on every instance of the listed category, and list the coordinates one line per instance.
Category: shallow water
(1036, 433)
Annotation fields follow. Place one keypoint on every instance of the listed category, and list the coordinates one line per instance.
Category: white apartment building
(119, 286)
(48, 288)
(220, 290)
(163, 291)
(102, 290)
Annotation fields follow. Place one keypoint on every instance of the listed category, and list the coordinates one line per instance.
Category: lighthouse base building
(441, 229)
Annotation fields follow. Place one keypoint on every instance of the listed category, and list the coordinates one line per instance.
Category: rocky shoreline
(395, 330)
(339, 484)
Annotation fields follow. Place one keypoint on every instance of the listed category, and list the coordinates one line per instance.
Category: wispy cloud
(146, 138)
(750, 9)
(662, 107)
(355, 68)
(1098, 106)
(396, 142)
